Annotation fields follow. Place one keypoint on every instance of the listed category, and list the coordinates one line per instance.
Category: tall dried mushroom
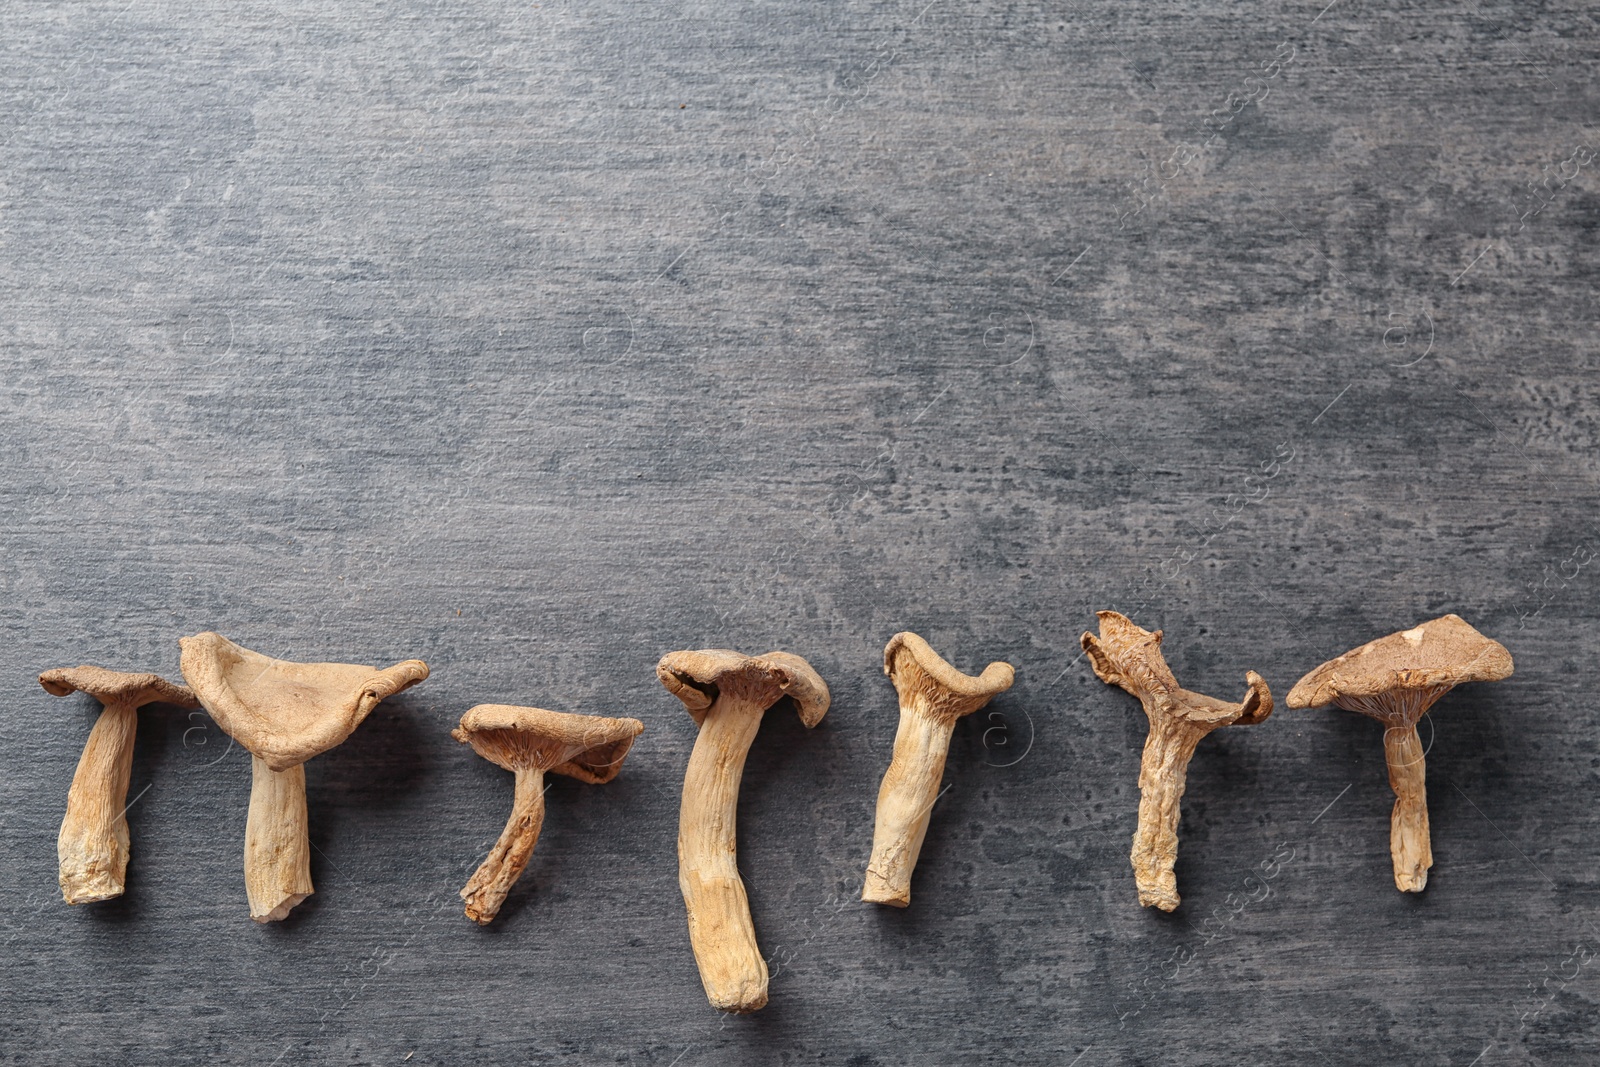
(92, 848)
(284, 713)
(1129, 656)
(727, 693)
(1395, 680)
(933, 696)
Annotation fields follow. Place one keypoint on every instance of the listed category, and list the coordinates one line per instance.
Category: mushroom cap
(286, 712)
(1126, 655)
(590, 748)
(698, 677)
(1436, 654)
(912, 664)
(117, 687)
(1138, 652)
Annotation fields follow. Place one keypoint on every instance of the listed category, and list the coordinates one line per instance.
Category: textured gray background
(537, 340)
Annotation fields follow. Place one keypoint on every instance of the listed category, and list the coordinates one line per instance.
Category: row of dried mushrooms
(285, 713)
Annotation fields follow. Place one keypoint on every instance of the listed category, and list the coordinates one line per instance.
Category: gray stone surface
(537, 340)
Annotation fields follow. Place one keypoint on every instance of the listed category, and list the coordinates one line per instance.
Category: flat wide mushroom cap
(1439, 653)
(909, 659)
(587, 747)
(286, 712)
(697, 677)
(117, 687)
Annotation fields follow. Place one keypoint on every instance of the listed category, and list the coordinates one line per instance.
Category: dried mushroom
(933, 695)
(1395, 680)
(92, 847)
(284, 713)
(530, 742)
(727, 693)
(1129, 656)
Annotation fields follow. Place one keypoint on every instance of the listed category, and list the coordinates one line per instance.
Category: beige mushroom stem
(727, 694)
(277, 842)
(93, 845)
(1163, 779)
(489, 885)
(1410, 843)
(933, 696)
(1129, 656)
(1396, 679)
(720, 928)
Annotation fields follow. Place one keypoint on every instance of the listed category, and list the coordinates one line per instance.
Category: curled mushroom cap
(530, 742)
(586, 747)
(933, 695)
(1128, 656)
(1395, 680)
(914, 667)
(698, 677)
(92, 847)
(284, 713)
(726, 693)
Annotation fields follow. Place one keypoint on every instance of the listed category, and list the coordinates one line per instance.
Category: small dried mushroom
(1395, 680)
(1129, 656)
(933, 695)
(529, 742)
(284, 713)
(93, 844)
(727, 693)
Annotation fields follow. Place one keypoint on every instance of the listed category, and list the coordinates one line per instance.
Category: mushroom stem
(93, 844)
(1409, 845)
(277, 844)
(720, 929)
(1163, 777)
(486, 890)
(905, 802)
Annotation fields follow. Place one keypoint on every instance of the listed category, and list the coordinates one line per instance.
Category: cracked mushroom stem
(283, 713)
(92, 847)
(489, 885)
(1129, 656)
(530, 742)
(933, 695)
(727, 694)
(1410, 840)
(277, 841)
(1396, 680)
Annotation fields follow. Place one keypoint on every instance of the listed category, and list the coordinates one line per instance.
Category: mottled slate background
(537, 340)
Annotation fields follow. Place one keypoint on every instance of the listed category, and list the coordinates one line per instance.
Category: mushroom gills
(1396, 680)
(530, 742)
